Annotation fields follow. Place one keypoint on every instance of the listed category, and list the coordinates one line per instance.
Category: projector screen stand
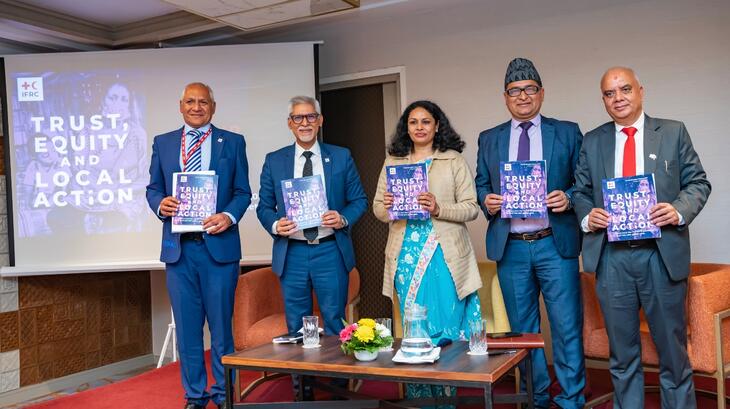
(170, 335)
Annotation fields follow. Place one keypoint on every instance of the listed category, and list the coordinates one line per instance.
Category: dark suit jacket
(678, 175)
(561, 141)
(344, 194)
(228, 160)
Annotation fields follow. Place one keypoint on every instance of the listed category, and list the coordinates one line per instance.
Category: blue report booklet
(628, 201)
(197, 193)
(305, 200)
(523, 186)
(406, 182)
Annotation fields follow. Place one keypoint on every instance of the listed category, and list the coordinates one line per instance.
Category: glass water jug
(416, 340)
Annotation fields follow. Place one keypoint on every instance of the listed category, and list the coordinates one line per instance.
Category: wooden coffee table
(454, 367)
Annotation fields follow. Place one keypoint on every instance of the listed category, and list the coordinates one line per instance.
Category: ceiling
(33, 26)
(73, 25)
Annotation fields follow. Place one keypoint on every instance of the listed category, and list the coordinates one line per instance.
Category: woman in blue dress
(430, 261)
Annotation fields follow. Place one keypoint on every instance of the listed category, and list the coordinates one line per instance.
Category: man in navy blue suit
(317, 258)
(322, 262)
(202, 267)
(537, 255)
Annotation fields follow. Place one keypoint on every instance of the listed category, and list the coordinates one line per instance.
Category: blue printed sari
(421, 259)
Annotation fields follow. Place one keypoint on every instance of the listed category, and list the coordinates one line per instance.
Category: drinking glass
(478, 337)
(387, 323)
(310, 325)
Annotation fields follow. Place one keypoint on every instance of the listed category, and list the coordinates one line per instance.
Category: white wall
(456, 52)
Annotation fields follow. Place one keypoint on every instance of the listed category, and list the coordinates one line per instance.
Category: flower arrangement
(364, 335)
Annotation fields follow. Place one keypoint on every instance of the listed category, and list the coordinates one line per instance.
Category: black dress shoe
(191, 405)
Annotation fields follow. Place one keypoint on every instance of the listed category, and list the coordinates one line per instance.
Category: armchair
(708, 341)
(258, 311)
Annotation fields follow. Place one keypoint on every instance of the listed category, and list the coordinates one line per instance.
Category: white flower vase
(366, 355)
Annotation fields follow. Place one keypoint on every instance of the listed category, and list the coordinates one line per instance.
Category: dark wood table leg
(528, 380)
(229, 386)
(488, 396)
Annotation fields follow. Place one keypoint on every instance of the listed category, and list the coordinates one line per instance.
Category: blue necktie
(523, 149)
(310, 233)
(194, 157)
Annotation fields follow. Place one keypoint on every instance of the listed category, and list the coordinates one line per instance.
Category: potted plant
(364, 338)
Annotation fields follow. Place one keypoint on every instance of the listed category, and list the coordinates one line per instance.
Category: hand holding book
(493, 203)
(168, 206)
(332, 219)
(557, 201)
(664, 214)
(286, 227)
(428, 202)
(217, 223)
(597, 219)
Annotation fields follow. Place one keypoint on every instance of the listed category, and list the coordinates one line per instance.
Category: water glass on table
(387, 323)
(478, 337)
(310, 327)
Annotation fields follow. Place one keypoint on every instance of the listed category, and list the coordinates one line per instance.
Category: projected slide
(81, 162)
(81, 126)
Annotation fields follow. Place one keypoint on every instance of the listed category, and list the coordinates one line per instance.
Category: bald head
(619, 69)
(623, 95)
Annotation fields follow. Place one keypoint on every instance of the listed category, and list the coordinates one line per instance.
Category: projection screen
(79, 135)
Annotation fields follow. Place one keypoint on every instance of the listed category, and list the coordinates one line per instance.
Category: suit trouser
(629, 279)
(319, 267)
(200, 288)
(526, 269)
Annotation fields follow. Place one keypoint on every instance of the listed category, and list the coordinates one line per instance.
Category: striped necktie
(194, 156)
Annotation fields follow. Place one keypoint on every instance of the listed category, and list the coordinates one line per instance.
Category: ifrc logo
(30, 89)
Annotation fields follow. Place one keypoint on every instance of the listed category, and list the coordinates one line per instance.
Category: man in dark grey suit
(649, 274)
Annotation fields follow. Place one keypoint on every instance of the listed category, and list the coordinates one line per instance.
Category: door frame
(387, 75)
(369, 77)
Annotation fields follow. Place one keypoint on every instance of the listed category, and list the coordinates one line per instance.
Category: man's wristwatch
(570, 200)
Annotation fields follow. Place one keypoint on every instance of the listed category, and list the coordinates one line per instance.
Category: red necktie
(629, 152)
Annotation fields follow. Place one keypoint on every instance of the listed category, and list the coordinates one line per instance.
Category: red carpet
(161, 389)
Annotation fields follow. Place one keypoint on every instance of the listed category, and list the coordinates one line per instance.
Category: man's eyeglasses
(529, 90)
(311, 118)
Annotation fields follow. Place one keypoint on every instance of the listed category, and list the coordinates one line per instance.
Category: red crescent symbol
(32, 85)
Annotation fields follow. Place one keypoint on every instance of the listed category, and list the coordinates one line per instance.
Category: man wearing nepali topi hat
(537, 255)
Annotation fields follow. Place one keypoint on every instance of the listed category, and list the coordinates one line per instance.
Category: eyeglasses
(529, 90)
(311, 118)
(625, 90)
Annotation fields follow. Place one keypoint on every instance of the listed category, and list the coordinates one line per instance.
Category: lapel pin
(220, 139)
(327, 160)
(652, 156)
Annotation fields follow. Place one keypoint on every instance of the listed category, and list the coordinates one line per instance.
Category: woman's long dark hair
(445, 138)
